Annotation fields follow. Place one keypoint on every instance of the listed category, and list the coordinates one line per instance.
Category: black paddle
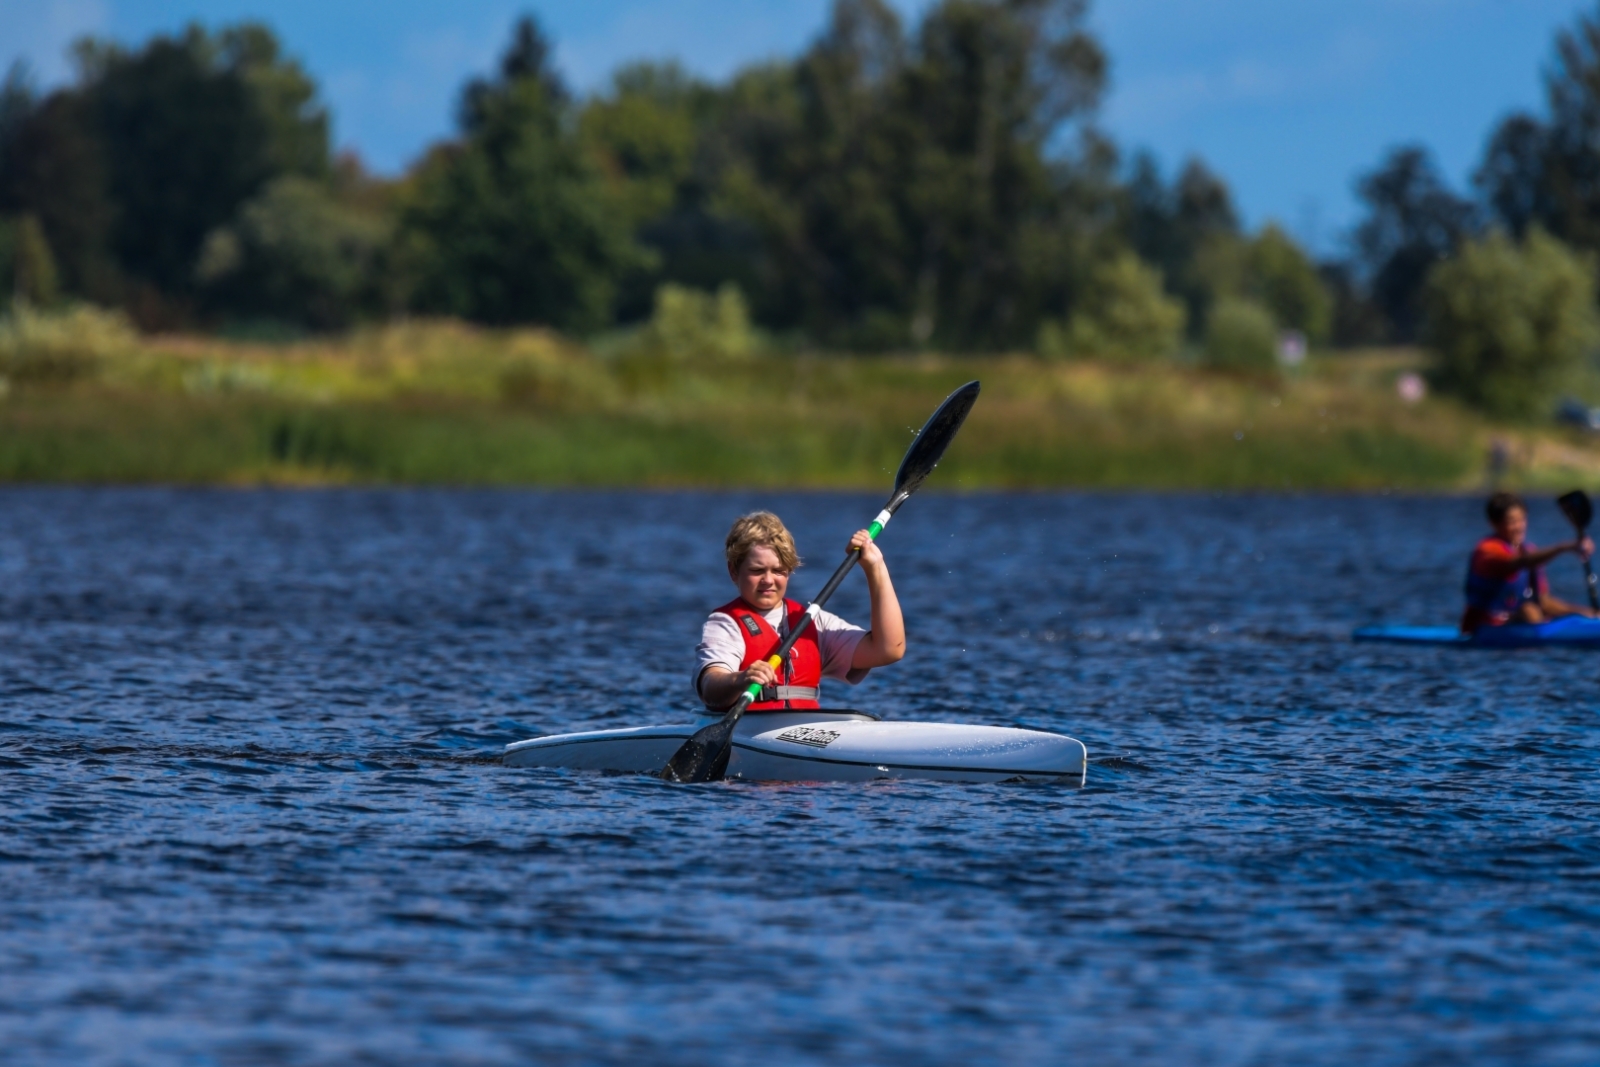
(1576, 507)
(704, 757)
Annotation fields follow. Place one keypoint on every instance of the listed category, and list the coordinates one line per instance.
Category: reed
(434, 403)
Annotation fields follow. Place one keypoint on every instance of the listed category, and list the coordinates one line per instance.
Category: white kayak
(826, 746)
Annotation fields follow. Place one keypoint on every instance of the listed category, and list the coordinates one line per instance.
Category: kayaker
(740, 635)
(1505, 576)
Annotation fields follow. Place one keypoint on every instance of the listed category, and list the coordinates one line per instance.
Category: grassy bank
(442, 403)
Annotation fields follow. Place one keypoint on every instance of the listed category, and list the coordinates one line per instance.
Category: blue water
(250, 810)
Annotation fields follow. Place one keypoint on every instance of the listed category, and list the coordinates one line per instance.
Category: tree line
(941, 184)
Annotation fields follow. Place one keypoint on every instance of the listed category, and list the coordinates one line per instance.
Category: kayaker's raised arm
(1501, 568)
(885, 642)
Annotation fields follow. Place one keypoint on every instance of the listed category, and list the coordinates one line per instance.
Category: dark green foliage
(130, 169)
(1286, 282)
(33, 267)
(1413, 222)
(192, 127)
(934, 183)
(1241, 336)
(1511, 322)
(1512, 176)
(295, 254)
(1546, 172)
(52, 167)
(1189, 230)
(908, 188)
(512, 224)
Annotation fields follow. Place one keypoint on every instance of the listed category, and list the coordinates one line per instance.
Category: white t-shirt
(722, 644)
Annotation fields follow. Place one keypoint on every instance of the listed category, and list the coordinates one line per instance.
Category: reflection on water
(250, 812)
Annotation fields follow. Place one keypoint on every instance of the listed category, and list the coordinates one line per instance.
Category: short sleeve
(721, 645)
(838, 640)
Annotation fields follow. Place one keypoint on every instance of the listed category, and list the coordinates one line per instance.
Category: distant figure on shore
(1505, 577)
(1499, 459)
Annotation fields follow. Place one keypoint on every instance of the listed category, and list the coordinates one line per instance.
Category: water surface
(250, 811)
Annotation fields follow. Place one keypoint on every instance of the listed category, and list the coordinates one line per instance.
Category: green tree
(295, 254)
(643, 135)
(1188, 229)
(1123, 314)
(191, 127)
(1283, 277)
(52, 168)
(689, 324)
(1510, 322)
(513, 223)
(1413, 222)
(1241, 336)
(900, 182)
(34, 267)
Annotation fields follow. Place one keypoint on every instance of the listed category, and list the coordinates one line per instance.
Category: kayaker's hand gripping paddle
(704, 757)
(1575, 505)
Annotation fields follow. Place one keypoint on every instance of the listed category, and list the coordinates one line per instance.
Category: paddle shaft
(775, 660)
(1578, 510)
(1589, 580)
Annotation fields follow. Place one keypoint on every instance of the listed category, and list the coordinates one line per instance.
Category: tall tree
(1546, 172)
(191, 127)
(1572, 157)
(898, 180)
(1413, 221)
(512, 223)
(1513, 177)
(52, 168)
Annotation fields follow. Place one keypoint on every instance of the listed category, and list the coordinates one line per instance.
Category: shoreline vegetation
(734, 251)
(440, 402)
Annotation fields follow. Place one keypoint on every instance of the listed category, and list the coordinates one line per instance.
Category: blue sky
(1288, 99)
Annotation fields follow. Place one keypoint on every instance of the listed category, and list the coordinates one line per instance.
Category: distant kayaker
(740, 635)
(1505, 577)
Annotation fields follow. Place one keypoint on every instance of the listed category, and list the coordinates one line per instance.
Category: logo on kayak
(810, 735)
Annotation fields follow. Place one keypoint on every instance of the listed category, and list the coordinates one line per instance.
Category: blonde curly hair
(760, 528)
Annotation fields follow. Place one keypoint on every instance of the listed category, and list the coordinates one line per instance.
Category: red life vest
(800, 674)
(1492, 601)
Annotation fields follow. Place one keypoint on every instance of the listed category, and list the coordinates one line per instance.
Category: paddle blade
(934, 437)
(704, 757)
(1577, 508)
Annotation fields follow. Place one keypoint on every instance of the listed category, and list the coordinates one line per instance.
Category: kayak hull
(825, 746)
(1571, 632)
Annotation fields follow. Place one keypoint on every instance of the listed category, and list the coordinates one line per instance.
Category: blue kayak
(1571, 632)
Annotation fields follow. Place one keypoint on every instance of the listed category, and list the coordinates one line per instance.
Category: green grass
(444, 404)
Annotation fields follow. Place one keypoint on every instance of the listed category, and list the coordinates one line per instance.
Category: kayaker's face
(1514, 526)
(762, 581)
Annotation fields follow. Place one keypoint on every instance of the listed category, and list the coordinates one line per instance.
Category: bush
(1241, 336)
(44, 346)
(296, 255)
(1125, 315)
(1288, 284)
(689, 324)
(1510, 323)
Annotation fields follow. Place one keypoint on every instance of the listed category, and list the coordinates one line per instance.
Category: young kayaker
(1505, 576)
(740, 635)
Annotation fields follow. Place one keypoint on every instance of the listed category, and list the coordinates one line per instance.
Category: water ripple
(251, 809)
